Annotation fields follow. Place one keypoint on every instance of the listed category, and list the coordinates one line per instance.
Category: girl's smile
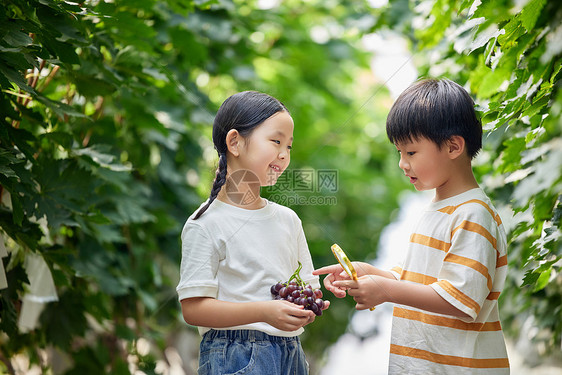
(264, 155)
(276, 168)
(267, 151)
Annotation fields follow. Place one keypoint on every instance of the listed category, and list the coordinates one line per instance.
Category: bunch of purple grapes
(295, 291)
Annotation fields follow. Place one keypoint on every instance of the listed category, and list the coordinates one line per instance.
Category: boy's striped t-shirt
(459, 248)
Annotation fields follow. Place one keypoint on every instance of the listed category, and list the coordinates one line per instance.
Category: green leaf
(557, 213)
(491, 82)
(17, 38)
(537, 106)
(22, 139)
(148, 300)
(17, 209)
(60, 109)
(98, 154)
(16, 278)
(7, 159)
(511, 155)
(60, 138)
(513, 30)
(65, 190)
(66, 52)
(15, 77)
(556, 72)
(465, 4)
(24, 233)
(530, 278)
(91, 87)
(531, 13)
(58, 326)
(541, 276)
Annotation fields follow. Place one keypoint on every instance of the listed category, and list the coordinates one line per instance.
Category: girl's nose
(283, 154)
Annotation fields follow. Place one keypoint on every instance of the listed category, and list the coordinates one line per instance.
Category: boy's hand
(335, 273)
(368, 291)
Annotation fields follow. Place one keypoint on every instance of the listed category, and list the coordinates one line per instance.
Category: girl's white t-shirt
(236, 255)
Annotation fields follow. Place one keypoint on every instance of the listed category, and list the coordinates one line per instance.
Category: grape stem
(296, 276)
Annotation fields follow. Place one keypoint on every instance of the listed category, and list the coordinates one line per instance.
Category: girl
(237, 245)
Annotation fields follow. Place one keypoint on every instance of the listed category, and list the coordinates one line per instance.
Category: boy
(446, 292)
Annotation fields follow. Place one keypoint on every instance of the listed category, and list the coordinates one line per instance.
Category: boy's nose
(283, 154)
(403, 164)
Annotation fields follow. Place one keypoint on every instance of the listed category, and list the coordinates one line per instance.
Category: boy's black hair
(435, 109)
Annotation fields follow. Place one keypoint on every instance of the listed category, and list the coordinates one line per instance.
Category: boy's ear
(455, 146)
(233, 141)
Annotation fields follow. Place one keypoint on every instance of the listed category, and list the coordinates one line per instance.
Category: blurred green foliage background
(105, 150)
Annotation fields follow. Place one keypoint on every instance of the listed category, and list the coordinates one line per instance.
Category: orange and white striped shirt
(459, 248)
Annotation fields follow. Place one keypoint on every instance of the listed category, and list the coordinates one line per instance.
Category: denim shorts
(250, 352)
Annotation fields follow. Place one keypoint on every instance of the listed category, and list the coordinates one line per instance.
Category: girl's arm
(372, 290)
(210, 312)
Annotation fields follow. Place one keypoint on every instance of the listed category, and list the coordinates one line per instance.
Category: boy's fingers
(327, 269)
(361, 306)
(339, 293)
(345, 284)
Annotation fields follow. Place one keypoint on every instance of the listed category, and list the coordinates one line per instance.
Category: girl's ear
(455, 146)
(233, 141)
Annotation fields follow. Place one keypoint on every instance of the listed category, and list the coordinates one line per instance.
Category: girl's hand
(326, 305)
(368, 291)
(286, 316)
(335, 273)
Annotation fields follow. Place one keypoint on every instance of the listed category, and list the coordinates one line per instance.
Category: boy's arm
(210, 312)
(372, 290)
(364, 269)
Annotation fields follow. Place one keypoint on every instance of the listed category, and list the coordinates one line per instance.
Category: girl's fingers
(301, 313)
(327, 269)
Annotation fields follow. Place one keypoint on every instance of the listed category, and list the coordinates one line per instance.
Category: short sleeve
(396, 271)
(467, 275)
(199, 264)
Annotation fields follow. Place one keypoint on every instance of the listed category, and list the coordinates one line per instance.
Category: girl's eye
(411, 153)
(290, 147)
(276, 141)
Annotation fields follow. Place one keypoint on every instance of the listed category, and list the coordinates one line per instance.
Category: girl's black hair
(435, 109)
(243, 111)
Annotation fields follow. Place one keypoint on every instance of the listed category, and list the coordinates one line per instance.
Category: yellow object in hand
(345, 263)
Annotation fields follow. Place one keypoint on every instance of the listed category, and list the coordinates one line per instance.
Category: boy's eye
(276, 141)
(290, 147)
(411, 153)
